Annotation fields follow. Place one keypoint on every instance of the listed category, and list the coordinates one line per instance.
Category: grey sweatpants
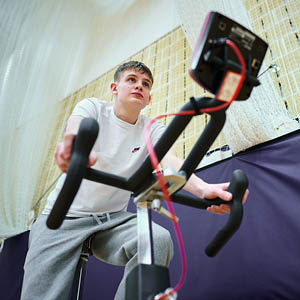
(53, 254)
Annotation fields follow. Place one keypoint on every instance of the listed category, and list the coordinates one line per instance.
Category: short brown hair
(132, 65)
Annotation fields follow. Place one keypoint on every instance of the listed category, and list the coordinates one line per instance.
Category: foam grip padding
(82, 146)
(238, 186)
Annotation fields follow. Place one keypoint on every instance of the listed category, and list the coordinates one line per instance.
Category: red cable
(155, 163)
(233, 46)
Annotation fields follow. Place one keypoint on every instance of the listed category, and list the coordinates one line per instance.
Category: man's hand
(64, 149)
(63, 153)
(200, 188)
(212, 191)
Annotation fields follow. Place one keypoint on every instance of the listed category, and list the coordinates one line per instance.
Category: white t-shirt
(121, 149)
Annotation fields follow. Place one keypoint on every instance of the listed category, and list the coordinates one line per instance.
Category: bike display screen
(211, 60)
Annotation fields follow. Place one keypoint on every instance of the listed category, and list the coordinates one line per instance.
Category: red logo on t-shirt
(135, 149)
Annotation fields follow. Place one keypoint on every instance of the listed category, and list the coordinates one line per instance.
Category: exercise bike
(226, 62)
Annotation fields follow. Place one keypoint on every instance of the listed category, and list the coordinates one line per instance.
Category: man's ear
(149, 99)
(113, 88)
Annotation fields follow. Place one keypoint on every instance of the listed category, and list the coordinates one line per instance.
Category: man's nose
(139, 85)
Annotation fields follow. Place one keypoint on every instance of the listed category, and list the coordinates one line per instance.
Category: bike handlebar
(82, 146)
(143, 177)
(237, 186)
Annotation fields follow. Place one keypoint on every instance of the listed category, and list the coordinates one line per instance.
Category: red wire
(242, 78)
(155, 163)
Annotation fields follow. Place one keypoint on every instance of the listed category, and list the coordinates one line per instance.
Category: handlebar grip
(82, 146)
(238, 186)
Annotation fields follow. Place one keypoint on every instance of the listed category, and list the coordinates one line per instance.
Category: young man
(99, 210)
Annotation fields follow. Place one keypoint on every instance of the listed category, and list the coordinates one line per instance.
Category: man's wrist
(196, 186)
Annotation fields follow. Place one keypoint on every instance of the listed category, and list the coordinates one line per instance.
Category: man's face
(133, 88)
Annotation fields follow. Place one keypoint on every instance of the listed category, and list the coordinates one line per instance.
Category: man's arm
(200, 188)
(64, 149)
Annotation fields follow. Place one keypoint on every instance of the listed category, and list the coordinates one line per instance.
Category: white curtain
(49, 49)
(263, 116)
(42, 43)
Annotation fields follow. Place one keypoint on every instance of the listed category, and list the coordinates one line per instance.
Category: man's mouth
(138, 95)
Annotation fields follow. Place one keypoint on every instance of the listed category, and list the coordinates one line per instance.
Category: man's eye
(146, 84)
(131, 79)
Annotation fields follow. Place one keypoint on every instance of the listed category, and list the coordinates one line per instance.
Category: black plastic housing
(144, 282)
(212, 58)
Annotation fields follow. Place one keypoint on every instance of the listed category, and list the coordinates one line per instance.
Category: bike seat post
(78, 279)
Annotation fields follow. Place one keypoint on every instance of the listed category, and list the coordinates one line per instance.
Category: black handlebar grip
(238, 186)
(82, 146)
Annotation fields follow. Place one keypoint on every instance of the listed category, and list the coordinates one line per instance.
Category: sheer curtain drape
(38, 38)
(262, 117)
(50, 49)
